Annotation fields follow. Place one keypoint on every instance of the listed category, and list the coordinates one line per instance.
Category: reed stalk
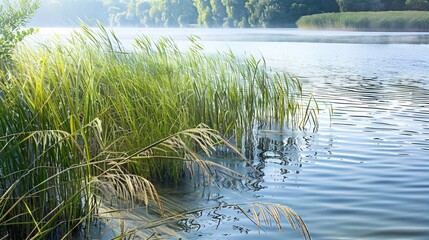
(410, 21)
(84, 120)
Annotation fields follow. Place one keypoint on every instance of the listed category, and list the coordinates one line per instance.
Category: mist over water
(222, 36)
(363, 174)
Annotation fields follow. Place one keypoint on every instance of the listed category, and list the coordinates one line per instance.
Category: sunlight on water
(364, 174)
(364, 177)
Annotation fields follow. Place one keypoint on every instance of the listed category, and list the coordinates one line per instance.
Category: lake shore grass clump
(409, 21)
(84, 121)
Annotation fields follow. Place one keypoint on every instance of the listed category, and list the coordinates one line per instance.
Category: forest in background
(204, 13)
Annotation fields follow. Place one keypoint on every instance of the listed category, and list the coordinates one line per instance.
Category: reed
(84, 120)
(417, 21)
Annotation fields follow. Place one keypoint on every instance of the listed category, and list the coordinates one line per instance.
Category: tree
(142, 12)
(267, 13)
(205, 17)
(218, 12)
(13, 17)
(276, 13)
(236, 13)
(185, 12)
(120, 12)
(280, 13)
(422, 5)
(393, 5)
(301, 8)
(361, 5)
(168, 18)
(326, 6)
(155, 13)
(254, 13)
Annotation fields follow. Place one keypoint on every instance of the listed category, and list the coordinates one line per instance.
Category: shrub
(13, 17)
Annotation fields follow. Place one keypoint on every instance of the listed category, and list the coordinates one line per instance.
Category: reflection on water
(363, 175)
(264, 35)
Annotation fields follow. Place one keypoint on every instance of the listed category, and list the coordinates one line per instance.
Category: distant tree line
(382, 5)
(206, 13)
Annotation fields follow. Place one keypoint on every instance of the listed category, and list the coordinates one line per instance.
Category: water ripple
(364, 175)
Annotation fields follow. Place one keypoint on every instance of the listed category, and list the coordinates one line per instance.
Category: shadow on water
(274, 154)
(363, 175)
(271, 153)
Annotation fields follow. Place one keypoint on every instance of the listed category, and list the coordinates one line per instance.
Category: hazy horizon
(201, 13)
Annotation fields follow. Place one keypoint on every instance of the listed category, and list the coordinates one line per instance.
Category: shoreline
(387, 21)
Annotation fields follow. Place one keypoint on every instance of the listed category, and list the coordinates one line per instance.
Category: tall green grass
(368, 21)
(155, 90)
(84, 120)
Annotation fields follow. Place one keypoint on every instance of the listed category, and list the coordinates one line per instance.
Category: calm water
(363, 175)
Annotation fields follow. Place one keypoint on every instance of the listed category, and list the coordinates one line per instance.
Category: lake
(364, 174)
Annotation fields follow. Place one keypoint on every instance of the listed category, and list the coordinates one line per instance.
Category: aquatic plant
(84, 121)
(54, 181)
(156, 89)
(368, 21)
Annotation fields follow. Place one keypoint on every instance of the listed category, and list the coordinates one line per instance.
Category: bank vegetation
(85, 123)
(409, 21)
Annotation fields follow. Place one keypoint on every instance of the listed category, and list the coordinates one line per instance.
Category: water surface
(365, 173)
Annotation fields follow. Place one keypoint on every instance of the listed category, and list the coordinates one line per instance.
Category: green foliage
(382, 5)
(361, 5)
(160, 13)
(86, 121)
(368, 21)
(183, 13)
(218, 11)
(13, 17)
(268, 13)
(207, 13)
(393, 5)
(421, 5)
(236, 13)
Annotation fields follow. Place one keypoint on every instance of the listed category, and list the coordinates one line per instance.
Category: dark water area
(364, 174)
